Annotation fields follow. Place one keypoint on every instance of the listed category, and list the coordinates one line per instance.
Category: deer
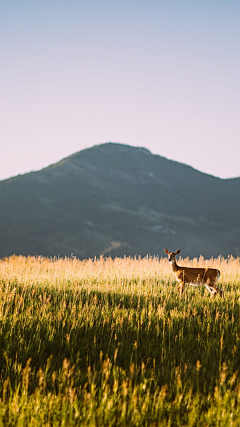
(194, 276)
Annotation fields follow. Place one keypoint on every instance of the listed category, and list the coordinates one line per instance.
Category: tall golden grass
(104, 272)
(109, 342)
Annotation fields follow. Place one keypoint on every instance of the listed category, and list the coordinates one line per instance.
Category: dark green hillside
(115, 199)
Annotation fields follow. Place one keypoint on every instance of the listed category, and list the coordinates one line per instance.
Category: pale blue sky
(162, 74)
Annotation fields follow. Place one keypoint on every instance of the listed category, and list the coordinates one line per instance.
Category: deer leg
(180, 288)
(213, 291)
(219, 291)
(210, 289)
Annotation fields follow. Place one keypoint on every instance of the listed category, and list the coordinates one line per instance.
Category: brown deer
(194, 276)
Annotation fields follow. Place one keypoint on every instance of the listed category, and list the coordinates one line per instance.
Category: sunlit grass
(109, 342)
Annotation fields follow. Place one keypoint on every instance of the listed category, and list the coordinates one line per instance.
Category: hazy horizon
(160, 75)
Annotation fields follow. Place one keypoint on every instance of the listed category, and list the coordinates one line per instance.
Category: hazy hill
(115, 199)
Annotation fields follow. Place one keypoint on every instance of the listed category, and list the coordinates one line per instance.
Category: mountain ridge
(115, 199)
(116, 144)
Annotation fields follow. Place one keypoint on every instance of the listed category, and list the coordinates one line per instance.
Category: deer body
(194, 276)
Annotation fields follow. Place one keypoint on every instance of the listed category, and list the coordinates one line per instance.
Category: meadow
(109, 342)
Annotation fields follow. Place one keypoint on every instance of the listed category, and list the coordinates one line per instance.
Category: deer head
(172, 255)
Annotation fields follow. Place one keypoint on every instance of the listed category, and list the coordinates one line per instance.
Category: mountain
(117, 200)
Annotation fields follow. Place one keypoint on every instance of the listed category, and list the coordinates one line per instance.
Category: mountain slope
(115, 199)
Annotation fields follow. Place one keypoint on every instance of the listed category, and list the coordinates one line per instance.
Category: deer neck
(174, 266)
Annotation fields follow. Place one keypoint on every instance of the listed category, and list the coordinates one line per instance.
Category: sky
(159, 74)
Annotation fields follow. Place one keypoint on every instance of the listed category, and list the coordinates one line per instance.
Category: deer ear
(167, 252)
(178, 251)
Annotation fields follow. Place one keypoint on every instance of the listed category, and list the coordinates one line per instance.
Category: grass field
(110, 343)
